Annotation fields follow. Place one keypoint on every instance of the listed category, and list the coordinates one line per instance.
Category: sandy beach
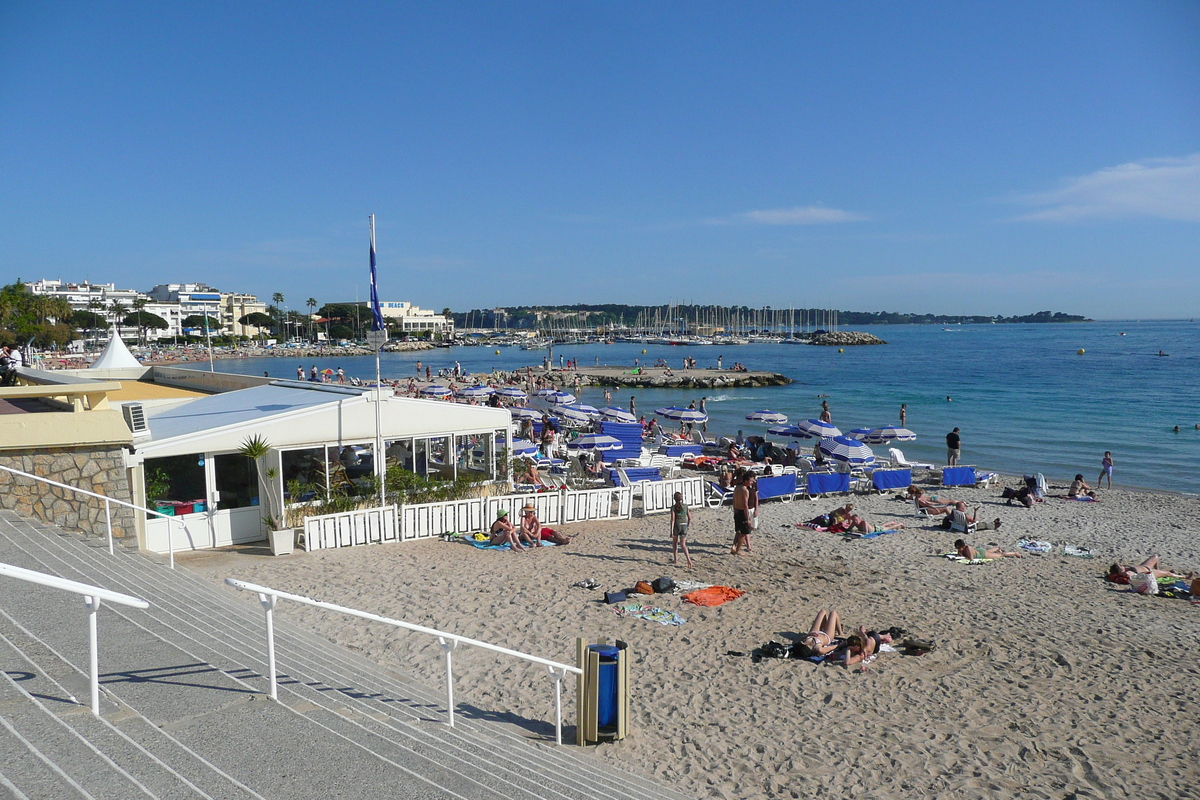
(1046, 682)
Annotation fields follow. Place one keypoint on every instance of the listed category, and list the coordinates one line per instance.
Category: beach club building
(186, 463)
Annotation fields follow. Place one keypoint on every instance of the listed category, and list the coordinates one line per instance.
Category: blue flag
(376, 314)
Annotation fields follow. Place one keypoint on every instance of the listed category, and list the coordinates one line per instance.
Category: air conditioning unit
(135, 417)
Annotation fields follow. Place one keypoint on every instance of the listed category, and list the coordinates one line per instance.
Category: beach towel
(683, 587)
(484, 545)
(659, 615)
(871, 535)
(955, 557)
(1034, 546)
(713, 596)
(1078, 552)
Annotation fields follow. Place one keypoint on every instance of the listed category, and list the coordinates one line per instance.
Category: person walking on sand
(1106, 465)
(681, 517)
(741, 517)
(903, 414)
(953, 447)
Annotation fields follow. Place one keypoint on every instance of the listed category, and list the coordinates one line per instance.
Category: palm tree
(96, 306)
(139, 305)
(117, 309)
(277, 299)
(311, 303)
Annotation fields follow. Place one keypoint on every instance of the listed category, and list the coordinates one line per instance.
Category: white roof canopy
(115, 356)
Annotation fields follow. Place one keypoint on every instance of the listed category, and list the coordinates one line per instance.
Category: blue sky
(925, 157)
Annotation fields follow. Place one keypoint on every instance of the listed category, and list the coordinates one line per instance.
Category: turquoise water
(1024, 400)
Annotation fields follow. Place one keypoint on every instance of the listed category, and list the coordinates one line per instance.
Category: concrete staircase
(184, 711)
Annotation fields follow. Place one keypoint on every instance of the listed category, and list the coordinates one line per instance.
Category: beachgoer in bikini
(681, 518)
(860, 647)
(1106, 465)
(970, 553)
(530, 530)
(821, 639)
(1080, 489)
(931, 507)
(1149, 566)
(503, 531)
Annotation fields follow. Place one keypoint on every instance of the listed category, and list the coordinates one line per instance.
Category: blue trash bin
(606, 709)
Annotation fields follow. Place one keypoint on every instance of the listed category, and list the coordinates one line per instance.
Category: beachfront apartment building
(409, 318)
(198, 299)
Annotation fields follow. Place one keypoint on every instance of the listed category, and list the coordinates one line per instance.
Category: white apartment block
(410, 318)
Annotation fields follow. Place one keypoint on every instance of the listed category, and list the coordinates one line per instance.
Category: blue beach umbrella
(790, 431)
(559, 398)
(681, 414)
(511, 392)
(614, 414)
(573, 414)
(475, 392)
(851, 451)
(773, 417)
(595, 441)
(525, 413)
(544, 392)
(818, 429)
(520, 447)
(436, 390)
(859, 433)
(889, 433)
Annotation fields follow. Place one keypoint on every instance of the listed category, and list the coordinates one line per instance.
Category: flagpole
(377, 342)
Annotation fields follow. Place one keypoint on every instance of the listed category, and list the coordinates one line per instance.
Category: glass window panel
(237, 481)
(176, 481)
(307, 468)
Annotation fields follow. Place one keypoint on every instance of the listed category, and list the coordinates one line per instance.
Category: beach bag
(946, 522)
(663, 585)
(643, 587)
(1143, 583)
(614, 597)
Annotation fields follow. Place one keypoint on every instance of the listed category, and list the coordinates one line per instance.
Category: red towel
(713, 595)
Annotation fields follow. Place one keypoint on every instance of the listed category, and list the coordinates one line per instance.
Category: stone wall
(99, 469)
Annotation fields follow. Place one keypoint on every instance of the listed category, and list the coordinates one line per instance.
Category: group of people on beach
(826, 641)
(527, 533)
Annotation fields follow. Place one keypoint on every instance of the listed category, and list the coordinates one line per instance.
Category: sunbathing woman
(820, 639)
(1150, 566)
(931, 507)
(504, 532)
(970, 553)
(861, 647)
(849, 522)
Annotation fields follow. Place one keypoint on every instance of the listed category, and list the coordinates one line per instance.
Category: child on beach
(1106, 465)
(681, 517)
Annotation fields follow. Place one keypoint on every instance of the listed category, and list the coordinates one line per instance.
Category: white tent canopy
(115, 356)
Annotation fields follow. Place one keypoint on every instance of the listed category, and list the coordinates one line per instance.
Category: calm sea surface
(1023, 399)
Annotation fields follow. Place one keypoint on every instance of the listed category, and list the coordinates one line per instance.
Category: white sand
(1047, 681)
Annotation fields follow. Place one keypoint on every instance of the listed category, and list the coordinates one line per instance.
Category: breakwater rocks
(660, 378)
(845, 338)
(331, 351)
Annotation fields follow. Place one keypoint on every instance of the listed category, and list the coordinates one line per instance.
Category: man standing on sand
(418, 369)
(903, 414)
(953, 447)
(632, 407)
(741, 517)
(300, 372)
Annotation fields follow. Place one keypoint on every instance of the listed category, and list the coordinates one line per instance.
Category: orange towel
(713, 595)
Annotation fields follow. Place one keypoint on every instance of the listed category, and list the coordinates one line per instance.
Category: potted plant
(282, 539)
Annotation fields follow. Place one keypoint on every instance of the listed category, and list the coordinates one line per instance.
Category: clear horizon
(941, 159)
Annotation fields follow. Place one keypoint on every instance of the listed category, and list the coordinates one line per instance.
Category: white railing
(92, 595)
(446, 641)
(658, 496)
(430, 520)
(107, 508)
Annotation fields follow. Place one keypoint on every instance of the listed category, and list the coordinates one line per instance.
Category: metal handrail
(107, 508)
(92, 595)
(447, 641)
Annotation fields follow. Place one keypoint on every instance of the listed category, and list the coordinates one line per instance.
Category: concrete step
(376, 708)
(25, 772)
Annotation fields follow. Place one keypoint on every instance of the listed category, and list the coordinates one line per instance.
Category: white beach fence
(430, 520)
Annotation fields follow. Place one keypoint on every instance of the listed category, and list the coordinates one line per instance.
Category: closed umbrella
(436, 390)
(887, 434)
(475, 392)
(595, 441)
(818, 429)
(681, 414)
(614, 414)
(851, 451)
(773, 417)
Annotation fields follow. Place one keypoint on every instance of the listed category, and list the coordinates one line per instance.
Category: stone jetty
(657, 377)
(845, 338)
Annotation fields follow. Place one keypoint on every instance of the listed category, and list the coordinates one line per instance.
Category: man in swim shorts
(741, 516)
(953, 447)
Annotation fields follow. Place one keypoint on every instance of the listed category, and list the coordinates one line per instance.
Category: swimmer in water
(1177, 429)
(948, 400)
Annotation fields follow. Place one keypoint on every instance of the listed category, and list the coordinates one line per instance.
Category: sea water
(1023, 398)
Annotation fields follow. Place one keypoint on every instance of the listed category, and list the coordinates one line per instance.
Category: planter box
(283, 542)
